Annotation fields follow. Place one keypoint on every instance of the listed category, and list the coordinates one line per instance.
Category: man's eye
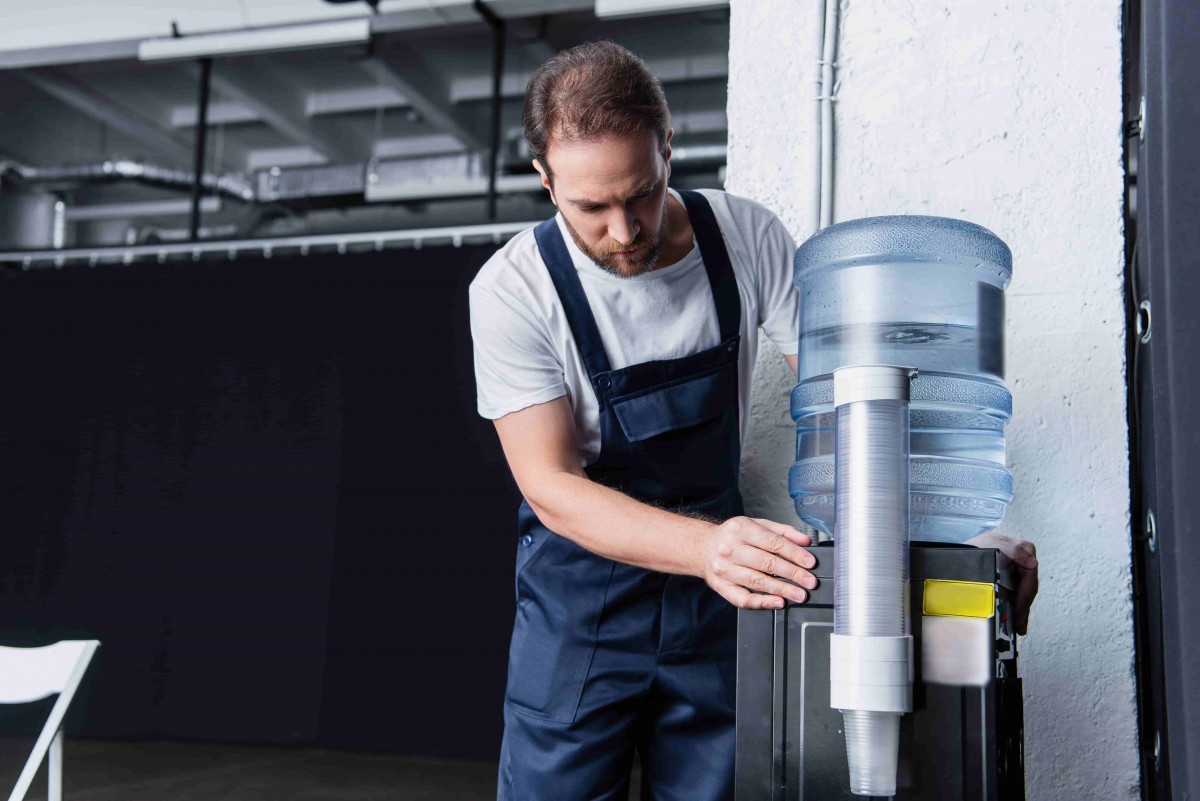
(589, 209)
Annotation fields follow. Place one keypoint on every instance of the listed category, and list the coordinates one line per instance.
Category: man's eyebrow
(646, 189)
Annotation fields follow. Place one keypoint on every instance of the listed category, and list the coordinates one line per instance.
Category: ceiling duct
(231, 185)
(427, 178)
(608, 9)
(303, 183)
(423, 178)
(412, 179)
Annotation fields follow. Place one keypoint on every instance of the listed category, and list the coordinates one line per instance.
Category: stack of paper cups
(871, 649)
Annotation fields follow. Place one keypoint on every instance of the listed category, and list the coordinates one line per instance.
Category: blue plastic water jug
(923, 292)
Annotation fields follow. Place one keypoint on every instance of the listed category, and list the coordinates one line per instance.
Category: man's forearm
(612, 524)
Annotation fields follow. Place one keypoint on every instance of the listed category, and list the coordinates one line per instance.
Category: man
(613, 349)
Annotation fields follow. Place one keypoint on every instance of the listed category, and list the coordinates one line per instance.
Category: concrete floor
(107, 770)
(114, 770)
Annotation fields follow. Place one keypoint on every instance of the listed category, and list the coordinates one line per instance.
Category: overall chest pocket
(680, 404)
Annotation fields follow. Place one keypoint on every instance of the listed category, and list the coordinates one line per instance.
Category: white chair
(31, 674)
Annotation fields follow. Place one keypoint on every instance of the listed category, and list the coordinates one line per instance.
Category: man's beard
(626, 266)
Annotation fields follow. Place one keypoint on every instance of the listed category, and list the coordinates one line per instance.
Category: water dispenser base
(964, 738)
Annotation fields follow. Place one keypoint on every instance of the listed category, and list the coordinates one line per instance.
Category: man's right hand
(744, 559)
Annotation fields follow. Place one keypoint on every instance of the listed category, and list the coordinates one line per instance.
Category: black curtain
(263, 486)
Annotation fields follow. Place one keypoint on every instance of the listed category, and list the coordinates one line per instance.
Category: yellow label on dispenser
(959, 598)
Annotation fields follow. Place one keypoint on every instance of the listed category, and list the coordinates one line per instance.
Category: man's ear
(537, 165)
(667, 151)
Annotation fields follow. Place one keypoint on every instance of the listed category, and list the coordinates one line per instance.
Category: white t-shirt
(525, 353)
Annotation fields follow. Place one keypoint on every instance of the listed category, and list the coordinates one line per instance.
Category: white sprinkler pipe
(825, 116)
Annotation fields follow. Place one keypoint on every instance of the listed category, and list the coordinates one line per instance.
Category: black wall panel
(1165, 398)
(262, 484)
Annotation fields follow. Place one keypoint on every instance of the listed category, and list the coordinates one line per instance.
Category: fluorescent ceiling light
(641, 8)
(256, 40)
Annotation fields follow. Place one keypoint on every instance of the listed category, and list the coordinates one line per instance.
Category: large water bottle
(922, 292)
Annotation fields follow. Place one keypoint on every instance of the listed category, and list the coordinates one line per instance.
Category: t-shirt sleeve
(778, 300)
(515, 363)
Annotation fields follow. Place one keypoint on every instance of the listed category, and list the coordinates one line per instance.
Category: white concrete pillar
(1009, 116)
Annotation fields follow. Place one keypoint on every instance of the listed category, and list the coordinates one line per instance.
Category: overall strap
(716, 262)
(570, 291)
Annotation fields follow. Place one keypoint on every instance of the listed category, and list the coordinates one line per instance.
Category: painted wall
(1009, 116)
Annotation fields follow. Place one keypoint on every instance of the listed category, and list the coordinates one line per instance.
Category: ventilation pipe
(232, 185)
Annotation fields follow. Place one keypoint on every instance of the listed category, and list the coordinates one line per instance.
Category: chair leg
(54, 769)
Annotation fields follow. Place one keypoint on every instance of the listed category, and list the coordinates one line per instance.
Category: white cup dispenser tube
(871, 664)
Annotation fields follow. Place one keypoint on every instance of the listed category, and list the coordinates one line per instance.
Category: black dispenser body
(964, 737)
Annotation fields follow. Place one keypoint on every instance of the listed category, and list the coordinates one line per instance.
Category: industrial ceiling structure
(376, 121)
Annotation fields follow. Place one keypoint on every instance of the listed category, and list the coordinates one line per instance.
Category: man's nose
(623, 229)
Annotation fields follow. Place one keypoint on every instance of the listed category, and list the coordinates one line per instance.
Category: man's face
(613, 196)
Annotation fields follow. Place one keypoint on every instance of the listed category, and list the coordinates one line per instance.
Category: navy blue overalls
(607, 657)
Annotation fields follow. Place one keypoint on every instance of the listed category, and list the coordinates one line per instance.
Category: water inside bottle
(942, 348)
(959, 434)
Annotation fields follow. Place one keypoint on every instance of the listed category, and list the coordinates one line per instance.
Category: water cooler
(898, 678)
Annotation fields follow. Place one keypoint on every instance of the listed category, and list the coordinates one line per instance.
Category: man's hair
(592, 91)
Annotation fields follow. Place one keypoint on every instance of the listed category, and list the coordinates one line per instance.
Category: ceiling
(421, 92)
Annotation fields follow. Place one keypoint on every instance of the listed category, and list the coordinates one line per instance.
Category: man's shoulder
(740, 210)
(516, 263)
(748, 227)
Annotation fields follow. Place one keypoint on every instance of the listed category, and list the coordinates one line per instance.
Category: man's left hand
(1024, 556)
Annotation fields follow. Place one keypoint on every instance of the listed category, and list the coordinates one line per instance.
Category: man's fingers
(773, 565)
(762, 583)
(1020, 551)
(1023, 552)
(793, 534)
(771, 541)
(750, 558)
(1027, 589)
(744, 599)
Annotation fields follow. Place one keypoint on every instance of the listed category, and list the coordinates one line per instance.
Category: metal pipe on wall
(828, 88)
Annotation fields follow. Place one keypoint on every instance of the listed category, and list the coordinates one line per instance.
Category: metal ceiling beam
(87, 100)
(440, 13)
(283, 157)
(427, 92)
(7, 154)
(675, 70)
(343, 101)
(416, 146)
(429, 14)
(278, 109)
(250, 41)
(69, 54)
(226, 112)
(530, 39)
